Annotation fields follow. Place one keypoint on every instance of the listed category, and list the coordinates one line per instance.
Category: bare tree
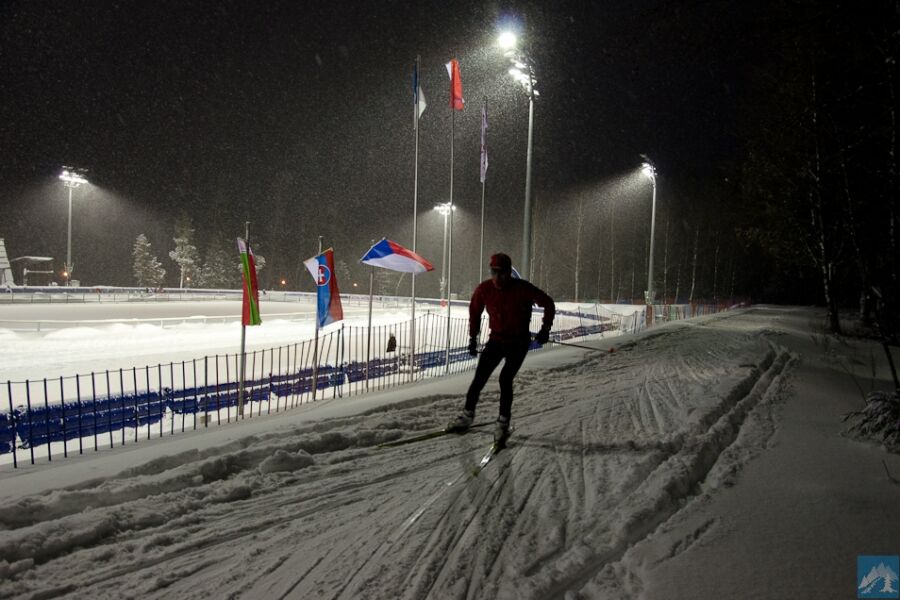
(694, 266)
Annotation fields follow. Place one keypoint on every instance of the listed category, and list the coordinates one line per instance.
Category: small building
(6, 274)
(35, 270)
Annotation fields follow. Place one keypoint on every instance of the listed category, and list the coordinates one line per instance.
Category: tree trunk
(892, 167)
(578, 243)
(731, 290)
(817, 223)
(678, 275)
(694, 268)
(613, 296)
(599, 266)
(666, 260)
(716, 271)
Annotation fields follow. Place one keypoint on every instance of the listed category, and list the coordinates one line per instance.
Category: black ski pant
(491, 355)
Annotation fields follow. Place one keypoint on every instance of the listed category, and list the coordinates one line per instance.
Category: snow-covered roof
(33, 259)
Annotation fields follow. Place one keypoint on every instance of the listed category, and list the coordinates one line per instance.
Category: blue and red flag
(391, 255)
(328, 308)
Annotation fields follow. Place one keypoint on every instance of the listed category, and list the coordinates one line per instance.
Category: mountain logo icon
(877, 576)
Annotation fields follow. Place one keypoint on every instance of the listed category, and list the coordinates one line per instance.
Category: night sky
(297, 116)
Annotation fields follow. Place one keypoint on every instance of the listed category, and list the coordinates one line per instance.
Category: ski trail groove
(693, 462)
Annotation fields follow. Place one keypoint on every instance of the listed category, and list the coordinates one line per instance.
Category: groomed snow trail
(604, 450)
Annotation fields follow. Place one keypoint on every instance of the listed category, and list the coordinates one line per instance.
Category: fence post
(122, 401)
(206, 391)
(109, 409)
(161, 404)
(137, 412)
(196, 398)
(147, 404)
(80, 414)
(47, 422)
(13, 419)
(30, 429)
(218, 407)
(62, 400)
(94, 402)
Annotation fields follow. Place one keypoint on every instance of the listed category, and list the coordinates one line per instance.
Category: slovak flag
(321, 268)
(391, 255)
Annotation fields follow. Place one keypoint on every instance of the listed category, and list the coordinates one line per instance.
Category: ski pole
(582, 347)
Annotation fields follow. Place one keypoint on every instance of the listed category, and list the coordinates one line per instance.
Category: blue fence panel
(7, 433)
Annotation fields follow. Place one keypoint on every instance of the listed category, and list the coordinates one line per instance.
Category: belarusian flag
(250, 314)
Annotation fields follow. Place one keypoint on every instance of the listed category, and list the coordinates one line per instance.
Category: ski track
(321, 512)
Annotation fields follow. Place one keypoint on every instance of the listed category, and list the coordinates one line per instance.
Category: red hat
(501, 261)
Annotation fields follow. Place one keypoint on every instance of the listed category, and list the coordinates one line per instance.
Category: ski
(477, 469)
(494, 450)
(430, 435)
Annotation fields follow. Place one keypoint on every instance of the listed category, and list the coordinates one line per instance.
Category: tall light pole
(650, 171)
(444, 209)
(71, 179)
(523, 72)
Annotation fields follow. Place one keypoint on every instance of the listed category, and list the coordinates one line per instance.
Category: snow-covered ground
(53, 340)
(700, 459)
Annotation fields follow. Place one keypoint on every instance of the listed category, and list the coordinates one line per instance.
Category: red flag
(250, 314)
(456, 95)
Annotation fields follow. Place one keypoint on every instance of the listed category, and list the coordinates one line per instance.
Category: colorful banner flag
(456, 94)
(250, 313)
(484, 156)
(321, 268)
(419, 103)
(391, 255)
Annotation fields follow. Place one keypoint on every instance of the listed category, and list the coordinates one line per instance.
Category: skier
(508, 302)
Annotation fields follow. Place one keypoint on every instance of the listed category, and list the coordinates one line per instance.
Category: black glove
(543, 336)
(473, 346)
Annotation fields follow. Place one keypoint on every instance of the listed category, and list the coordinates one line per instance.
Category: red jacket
(509, 309)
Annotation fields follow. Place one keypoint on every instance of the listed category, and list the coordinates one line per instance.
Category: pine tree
(384, 282)
(148, 271)
(218, 271)
(185, 254)
(342, 270)
(259, 261)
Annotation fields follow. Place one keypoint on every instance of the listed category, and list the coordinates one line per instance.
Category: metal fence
(56, 417)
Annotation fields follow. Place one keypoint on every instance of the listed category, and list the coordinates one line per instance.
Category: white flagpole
(315, 382)
(244, 333)
(483, 180)
(412, 325)
(369, 335)
(450, 237)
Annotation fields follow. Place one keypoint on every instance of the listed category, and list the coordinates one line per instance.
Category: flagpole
(243, 337)
(450, 236)
(483, 183)
(315, 381)
(369, 336)
(412, 326)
